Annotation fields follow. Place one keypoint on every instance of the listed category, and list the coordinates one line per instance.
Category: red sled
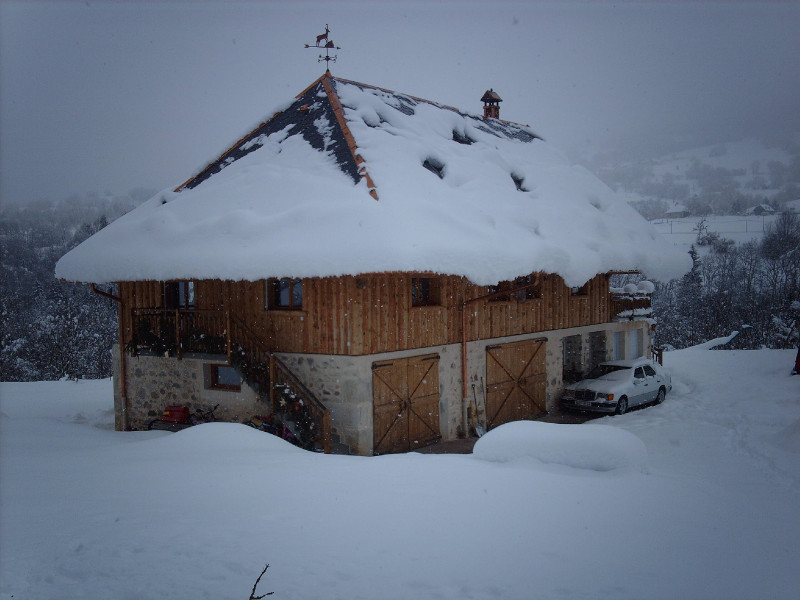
(174, 418)
(175, 414)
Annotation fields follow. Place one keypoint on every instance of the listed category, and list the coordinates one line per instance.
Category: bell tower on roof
(491, 104)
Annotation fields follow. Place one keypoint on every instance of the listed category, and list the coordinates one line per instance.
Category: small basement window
(224, 377)
(424, 291)
(284, 294)
(434, 166)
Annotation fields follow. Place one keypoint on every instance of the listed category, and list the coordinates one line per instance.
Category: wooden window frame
(214, 382)
(424, 291)
(274, 290)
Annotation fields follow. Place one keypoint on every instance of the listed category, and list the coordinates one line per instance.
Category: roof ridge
(338, 112)
(425, 100)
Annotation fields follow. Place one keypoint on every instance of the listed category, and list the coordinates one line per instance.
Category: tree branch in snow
(255, 585)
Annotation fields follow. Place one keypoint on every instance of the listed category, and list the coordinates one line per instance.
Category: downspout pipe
(464, 394)
(123, 387)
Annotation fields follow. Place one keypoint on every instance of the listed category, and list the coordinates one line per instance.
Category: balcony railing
(624, 306)
(175, 332)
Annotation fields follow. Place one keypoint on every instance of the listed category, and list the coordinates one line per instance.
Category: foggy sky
(111, 96)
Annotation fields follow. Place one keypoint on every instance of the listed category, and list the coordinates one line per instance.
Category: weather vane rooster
(324, 42)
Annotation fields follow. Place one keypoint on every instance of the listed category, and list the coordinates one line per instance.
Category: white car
(617, 385)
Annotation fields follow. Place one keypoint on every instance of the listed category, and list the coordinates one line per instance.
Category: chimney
(491, 104)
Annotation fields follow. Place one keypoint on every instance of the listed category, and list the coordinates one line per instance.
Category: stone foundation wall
(344, 383)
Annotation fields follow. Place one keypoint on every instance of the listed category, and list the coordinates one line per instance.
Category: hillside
(720, 179)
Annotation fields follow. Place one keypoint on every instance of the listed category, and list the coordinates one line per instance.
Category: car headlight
(602, 396)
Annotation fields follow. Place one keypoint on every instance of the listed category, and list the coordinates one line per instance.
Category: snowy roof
(349, 178)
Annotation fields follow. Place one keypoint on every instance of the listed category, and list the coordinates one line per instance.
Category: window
(528, 293)
(638, 373)
(225, 377)
(435, 166)
(424, 292)
(582, 290)
(496, 289)
(649, 371)
(285, 294)
(462, 138)
(524, 289)
(186, 294)
(519, 182)
(179, 294)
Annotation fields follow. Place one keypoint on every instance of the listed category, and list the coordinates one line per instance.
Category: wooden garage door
(515, 381)
(405, 395)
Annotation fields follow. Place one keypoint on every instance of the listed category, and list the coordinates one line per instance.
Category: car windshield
(607, 372)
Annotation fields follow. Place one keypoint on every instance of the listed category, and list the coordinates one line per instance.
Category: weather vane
(328, 45)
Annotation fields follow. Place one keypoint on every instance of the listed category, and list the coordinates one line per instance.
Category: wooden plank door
(405, 394)
(515, 381)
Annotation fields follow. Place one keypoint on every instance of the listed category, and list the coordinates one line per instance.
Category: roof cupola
(491, 104)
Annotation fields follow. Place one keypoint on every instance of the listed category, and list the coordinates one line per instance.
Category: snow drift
(592, 447)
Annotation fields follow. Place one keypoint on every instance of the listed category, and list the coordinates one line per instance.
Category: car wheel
(622, 405)
(661, 395)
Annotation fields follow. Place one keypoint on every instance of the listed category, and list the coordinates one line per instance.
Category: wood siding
(368, 314)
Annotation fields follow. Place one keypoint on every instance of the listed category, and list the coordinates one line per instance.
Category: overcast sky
(108, 96)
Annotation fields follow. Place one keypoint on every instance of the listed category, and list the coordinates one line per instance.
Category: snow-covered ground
(741, 229)
(695, 498)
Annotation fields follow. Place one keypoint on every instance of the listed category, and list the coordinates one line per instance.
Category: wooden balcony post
(228, 334)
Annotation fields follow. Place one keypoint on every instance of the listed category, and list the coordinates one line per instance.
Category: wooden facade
(370, 314)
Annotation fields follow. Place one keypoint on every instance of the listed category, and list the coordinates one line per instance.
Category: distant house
(677, 211)
(379, 270)
(760, 210)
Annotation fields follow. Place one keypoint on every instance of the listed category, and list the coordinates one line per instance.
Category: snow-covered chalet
(378, 270)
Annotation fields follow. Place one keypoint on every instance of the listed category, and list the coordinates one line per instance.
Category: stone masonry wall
(155, 382)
